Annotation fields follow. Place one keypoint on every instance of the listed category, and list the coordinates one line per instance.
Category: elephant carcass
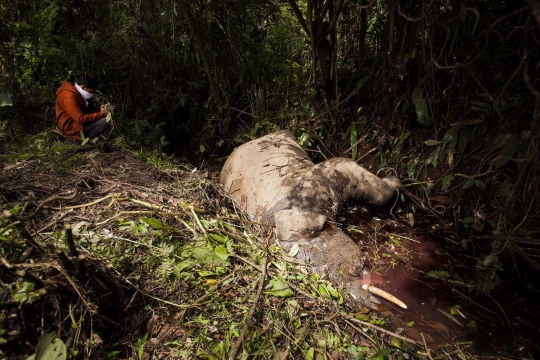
(275, 182)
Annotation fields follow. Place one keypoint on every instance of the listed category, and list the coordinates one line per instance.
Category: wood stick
(55, 221)
(249, 318)
(378, 328)
(66, 263)
(26, 276)
(69, 241)
(23, 232)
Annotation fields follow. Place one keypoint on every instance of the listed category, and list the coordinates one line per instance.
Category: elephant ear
(294, 224)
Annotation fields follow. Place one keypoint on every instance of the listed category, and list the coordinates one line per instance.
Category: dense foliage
(445, 93)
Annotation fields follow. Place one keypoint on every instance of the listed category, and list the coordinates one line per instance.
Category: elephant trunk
(356, 183)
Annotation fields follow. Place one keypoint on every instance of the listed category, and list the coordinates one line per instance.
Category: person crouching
(75, 110)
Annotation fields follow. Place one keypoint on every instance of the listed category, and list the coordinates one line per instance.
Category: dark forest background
(444, 93)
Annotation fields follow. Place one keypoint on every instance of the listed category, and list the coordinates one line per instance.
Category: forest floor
(115, 255)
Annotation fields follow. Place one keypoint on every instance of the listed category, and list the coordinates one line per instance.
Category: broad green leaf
(498, 142)
(156, 224)
(322, 290)
(205, 273)
(410, 323)
(507, 152)
(480, 184)
(362, 82)
(382, 354)
(278, 287)
(433, 158)
(432, 142)
(310, 354)
(50, 348)
(333, 292)
(361, 316)
(468, 184)
(419, 103)
(471, 325)
(221, 253)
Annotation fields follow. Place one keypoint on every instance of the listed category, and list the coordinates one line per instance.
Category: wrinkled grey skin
(275, 182)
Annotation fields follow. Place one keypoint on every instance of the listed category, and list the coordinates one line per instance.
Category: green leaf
(410, 323)
(50, 348)
(468, 184)
(156, 224)
(310, 354)
(433, 158)
(420, 104)
(221, 253)
(382, 354)
(507, 152)
(498, 142)
(278, 287)
(205, 273)
(480, 184)
(361, 316)
(432, 142)
(362, 82)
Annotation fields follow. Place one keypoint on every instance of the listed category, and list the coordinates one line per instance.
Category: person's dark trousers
(95, 128)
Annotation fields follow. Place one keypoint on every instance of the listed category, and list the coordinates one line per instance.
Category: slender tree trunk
(363, 24)
(391, 22)
(322, 36)
(201, 47)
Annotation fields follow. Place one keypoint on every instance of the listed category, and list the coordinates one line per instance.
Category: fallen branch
(54, 222)
(249, 318)
(115, 195)
(378, 328)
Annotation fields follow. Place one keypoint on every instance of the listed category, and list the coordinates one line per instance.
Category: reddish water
(444, 313)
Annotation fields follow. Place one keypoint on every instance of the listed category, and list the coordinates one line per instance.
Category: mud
(501, 324)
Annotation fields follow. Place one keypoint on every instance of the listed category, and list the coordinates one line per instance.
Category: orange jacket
(72, 112)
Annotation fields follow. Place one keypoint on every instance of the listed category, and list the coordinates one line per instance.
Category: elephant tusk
(384, 295)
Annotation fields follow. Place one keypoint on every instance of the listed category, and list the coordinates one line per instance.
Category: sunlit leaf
(411, 218)
(382, 354)
(294, 250)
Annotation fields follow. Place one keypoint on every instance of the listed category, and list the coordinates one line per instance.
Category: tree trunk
(201, 47)
(322, 36)
(363, 24)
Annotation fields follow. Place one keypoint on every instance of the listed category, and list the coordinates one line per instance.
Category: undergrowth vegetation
(443, 94)
(116, 265)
